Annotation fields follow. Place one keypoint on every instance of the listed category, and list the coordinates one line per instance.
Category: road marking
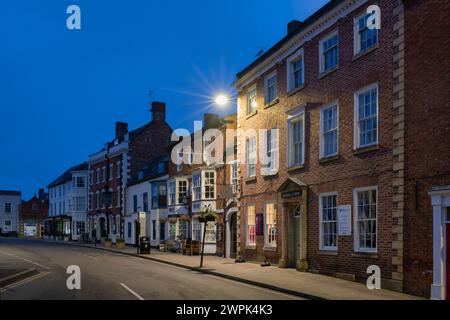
(131, 291)
(27, 260)
(16, 284)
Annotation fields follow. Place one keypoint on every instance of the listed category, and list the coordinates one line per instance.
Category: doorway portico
(294, 194)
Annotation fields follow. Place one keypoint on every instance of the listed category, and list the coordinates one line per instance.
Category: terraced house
(344, 192)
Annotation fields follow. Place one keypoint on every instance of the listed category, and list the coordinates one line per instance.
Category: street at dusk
(224, 158)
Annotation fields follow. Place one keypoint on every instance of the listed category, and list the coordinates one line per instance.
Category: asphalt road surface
(110, 276)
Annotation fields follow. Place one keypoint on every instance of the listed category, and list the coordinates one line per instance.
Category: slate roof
(10, 193)
(67, 175)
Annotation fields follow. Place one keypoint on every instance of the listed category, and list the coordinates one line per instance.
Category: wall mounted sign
(345, 220)
(259, 224)
(291, 194)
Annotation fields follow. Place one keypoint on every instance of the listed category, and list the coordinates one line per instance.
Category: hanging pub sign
(291, 194)
(259, 224)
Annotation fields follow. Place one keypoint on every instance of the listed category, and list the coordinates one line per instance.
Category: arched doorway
(233, 235)
(102, 227)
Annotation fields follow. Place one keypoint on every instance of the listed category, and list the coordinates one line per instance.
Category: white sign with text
(345, 220)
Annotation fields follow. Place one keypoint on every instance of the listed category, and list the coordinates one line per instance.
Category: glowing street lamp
(221, 100)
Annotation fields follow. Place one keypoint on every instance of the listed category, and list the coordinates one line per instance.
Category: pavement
(288, 281)
(108, 275)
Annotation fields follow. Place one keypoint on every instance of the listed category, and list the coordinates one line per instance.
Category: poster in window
(259, 224)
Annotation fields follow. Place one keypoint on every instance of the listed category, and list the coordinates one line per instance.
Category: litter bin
(144, 245)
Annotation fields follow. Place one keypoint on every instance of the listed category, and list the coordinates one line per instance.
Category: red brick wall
(427, 105)
(349, 171)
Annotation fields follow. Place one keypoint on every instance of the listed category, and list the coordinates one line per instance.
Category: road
(111, 276)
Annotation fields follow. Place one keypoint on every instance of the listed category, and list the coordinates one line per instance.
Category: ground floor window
(328, 222)
(251, 225)
(366, 219)
(129, 230)
(196, 230)
(8, 225)
(154, 229)
(162, 231)
(210, 232)
(173, 231)
(183, 229)
(80, 227)
(271, 224)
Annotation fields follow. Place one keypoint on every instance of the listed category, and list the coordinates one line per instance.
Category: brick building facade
(32, 215)
(335, 90)
(112, 167)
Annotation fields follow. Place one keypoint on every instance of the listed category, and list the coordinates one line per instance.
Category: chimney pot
(121, 129)
(158, 111)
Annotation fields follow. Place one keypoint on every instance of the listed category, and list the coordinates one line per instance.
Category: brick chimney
(121, 129)
(293, 26)
(211, 120)
(158, 111)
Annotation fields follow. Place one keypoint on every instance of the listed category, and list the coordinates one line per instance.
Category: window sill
(269, 248)
(365, 52)
(361, 254)
(294, 91)
(271, 104)
(362, 150)
(248, 116)
(250, 247)
(328, 72)
(250, 179)
(329, 159)
(270, 175)
(294, 168)
(324, 252)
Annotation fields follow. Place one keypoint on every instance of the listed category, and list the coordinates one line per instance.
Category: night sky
(62, 91)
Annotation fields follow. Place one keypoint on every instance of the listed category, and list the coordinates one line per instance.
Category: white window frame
(321, 245)
(250, 154)
(357, 143)
(322, 133)
(266, 225)
(322, 53)
(298, 114)
(234, 176)
(205, 184)
(103, 174)
(247, 225)
(178, 192)
(249, 108)
(172, 192)
(111, 171)
(290, 70)
(118, 169)
(356, 246)
(357, 36)
(9, 204)
(197, 187)
(266, 87)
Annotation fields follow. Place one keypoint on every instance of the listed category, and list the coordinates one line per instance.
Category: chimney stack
(121, 129)
(293, 26)
(211, 121)
(158, 111)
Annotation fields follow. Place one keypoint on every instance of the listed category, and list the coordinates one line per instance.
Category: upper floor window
(197, 186)
(80, 182)
(145, 201)
(270, 88)
(159, 195)
(329, 53)
(251, 157)
(295, 71)
(328, 222)
(118, 169)
(103, 174)
(365, 38)
(91, 177)
(210, 184)
(135, 203)
(251, 100)
(234, 177)
(365, 200)
(182, 190)
(366, 114)
(296, 139)
(111, 171)
(271, 166)
(8, 207)
(97, 175)
(172, 185)
(329, 131)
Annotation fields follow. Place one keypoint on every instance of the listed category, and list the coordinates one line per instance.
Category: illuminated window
(251, 225)
(271, 225)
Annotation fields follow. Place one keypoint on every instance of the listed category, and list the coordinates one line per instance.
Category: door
(233, 236)
(448, 256)
(296, 214)
(102, 224)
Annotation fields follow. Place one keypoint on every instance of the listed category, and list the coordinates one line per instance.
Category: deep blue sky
(62, 91)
